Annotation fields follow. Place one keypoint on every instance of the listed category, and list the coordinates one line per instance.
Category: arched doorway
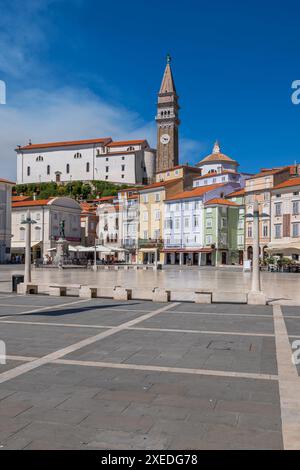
(249, 253)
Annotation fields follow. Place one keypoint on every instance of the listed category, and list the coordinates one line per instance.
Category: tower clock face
(165, 139)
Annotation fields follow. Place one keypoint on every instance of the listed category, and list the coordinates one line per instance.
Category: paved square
(105, 374)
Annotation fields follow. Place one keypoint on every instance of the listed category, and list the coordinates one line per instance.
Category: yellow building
(186, 172)
(151, 219)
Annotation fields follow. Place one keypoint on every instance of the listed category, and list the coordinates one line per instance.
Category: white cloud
(66, 114)
(41, 114)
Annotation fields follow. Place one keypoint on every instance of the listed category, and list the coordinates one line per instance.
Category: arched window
(68, 168)
(48, 169)
(39, 158)
(87, 167)
(77, 155)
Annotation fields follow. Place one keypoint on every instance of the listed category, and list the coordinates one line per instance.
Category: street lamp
(95, 256)
(256, 296)
(28, 222)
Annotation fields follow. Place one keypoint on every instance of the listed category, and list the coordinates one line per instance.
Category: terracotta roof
(2, 180)
(160, 184)
(215, 173)
(102, 140)
(291, 182)
(269, 172)
(102, 199)
(120, 143)
(177, 167)
(86, 207)
(195, 192)
(240, 192)
(37, 202)
(221, 202)
(218, 157)
(20, 198)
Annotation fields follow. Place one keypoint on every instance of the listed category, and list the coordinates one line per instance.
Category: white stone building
(217, 162)
(128, 162)
(47, 213)
(5, 220)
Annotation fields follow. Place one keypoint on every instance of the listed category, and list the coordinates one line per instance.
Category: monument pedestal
(61, 252)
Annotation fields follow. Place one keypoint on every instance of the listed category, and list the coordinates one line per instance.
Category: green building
(224, 229)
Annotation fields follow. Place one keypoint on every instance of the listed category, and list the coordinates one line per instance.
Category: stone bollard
(87, 292)
(122, 293)
(23, 288)
(58, 291)
(160, 295)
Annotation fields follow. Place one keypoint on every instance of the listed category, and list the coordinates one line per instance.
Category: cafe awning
(284, 248)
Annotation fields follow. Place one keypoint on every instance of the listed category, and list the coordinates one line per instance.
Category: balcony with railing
(151, 243)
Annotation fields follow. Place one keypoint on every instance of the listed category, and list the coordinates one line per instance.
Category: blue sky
(83, 69)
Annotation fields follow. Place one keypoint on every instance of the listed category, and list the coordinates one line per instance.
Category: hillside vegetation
(74, 189)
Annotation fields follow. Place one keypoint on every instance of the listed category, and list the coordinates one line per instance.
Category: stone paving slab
(292, 326)
(225, 308)
(64, 406)
(295, 311)
(237, 324)
(37, 340)
(202, 351)
(77, 314)
(138, 410)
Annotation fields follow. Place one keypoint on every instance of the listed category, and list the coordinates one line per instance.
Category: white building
(184, 224)
(47, 213)
(217, 162)
(5, 220)
(128, 162)
(108, 222)
(129, 223)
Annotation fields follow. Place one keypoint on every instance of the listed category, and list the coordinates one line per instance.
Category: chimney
(34, 196)
(29, 143)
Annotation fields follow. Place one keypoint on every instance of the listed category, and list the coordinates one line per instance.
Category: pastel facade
(186, 172)
(128, 162)
(258, 189)
(88, 222)
(5, 220)
(151, 218)
(185, 228)
(221, 222)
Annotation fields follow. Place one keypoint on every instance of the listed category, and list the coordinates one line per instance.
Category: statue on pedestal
(62, 229)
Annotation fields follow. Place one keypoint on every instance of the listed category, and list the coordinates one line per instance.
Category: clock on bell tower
(167, 122)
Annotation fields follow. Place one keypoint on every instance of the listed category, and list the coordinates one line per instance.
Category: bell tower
(167, 122)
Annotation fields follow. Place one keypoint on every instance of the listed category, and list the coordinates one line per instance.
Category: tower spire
(167, 122)
(167, 84)
(217, 148)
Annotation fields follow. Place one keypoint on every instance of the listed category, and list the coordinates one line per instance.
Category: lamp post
(28, 222)
(95, 256)
(256, 296)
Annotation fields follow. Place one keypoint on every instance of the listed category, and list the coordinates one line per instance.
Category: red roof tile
(70, 143)
(195, 192)
(2, 180)
(240, 192)
(290, 182)
(120, 143)
(20, 198)
(221, 202)
(161, 184)
(37, 202)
